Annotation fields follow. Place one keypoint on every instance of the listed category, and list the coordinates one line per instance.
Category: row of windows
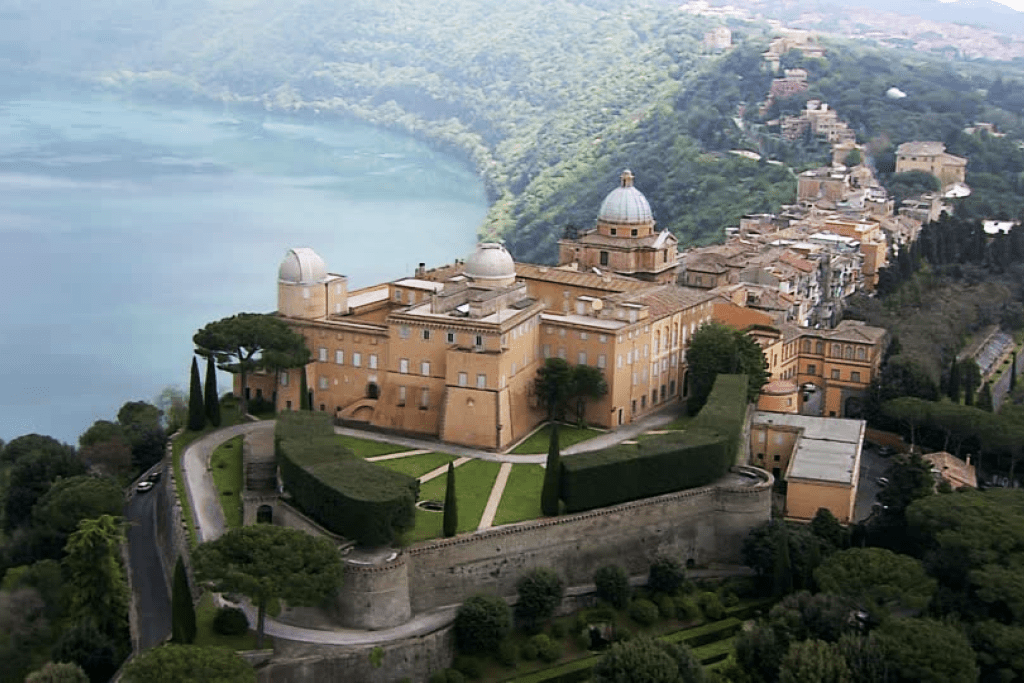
(837, 350)
(451, 337)
(356, 358)
(481, 380)
(812, 369)
(603, 338)
(403, 367)
(424, 395)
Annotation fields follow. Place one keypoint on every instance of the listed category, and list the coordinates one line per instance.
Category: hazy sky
(1015, 4)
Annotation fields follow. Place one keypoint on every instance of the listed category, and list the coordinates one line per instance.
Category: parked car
(882, 481)
(154, 476)
(144, 486)
(886, 451)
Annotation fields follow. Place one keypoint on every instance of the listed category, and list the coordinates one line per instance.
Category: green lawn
(226, 469)
(417, 465)
(567, 436)
(521, 500)
(205, 635)
(366, 448)
(473, 483)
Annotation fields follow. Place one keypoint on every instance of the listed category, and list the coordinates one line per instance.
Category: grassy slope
(473, 483)
(521, 499)
(226, 469)
(417, 465)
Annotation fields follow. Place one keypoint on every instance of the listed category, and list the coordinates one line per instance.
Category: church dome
(490, 262)
(302, 266)
(625, 204)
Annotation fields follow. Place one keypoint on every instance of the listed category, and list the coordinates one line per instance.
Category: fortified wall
(706, 525)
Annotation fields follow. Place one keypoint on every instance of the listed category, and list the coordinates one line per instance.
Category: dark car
(154, 476)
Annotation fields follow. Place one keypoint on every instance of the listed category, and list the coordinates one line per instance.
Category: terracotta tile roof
(666, 299)
(607, 281)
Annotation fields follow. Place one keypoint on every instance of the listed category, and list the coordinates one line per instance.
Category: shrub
(528, 651)
(711, 605)
(506, 654)
(470, 667)
(558, 630)
(357, 499)
(643, 612)
(666, 575)
(612, 585)
(599, 614)
(258, 404)
(547, 650)
(481, 623)
(540, 594)
(730, 599)
(230, 621)
(686, 609)
(666, 607)
(662, 463)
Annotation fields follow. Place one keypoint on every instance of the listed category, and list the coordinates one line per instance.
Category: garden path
(491, 509)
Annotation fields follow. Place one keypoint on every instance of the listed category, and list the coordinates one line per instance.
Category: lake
(126, 227)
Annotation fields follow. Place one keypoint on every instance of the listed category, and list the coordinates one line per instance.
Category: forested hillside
(548, 100)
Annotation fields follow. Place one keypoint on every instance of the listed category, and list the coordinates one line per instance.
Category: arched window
(819, 347)
(849, 353)
(372, 390)
(837, 351)
(861, 353)
(807, 345)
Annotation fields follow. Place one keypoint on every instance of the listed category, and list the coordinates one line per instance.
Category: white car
(144, 486)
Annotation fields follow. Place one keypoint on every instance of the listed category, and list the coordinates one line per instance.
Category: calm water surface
(124, 228)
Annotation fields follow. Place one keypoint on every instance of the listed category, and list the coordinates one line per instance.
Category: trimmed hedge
(349, 496)
(665, 462)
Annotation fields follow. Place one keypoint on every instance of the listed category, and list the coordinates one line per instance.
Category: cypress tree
(212, 401)
(196, 411)
(451, 506)
(304, 402)
(1013, 371)
(549, 493)
(953, 386)
(783, 564)
(985, 398)
(183, 612)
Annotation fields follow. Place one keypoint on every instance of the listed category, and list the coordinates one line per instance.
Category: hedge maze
(665, 462)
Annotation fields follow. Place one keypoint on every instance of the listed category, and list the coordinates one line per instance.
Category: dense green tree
(63, 672)
(970, 377)
(100, 431)
(69, 501)
(183, 610)
(927, 651)
(715, 349)
(96, 579)
(1000, 650)
(759, 650)
(248, 341)
(196, 410)
(666, 575)
(814, 661)
(587, 383)
(1013, 371)
(184, 663)
(142, 423)
(553, 386)
(612, 584)
(540, 593)
(481, 623)
(265, 562)
(642, 660)
(763, 546)
(211, 397)
(90, 648)
(876, 580)
(825, 526)
(802, 616)
(31, 476)
(18, 448)
(549, 493)
(450, 524)
(23, 628)
(782, 572)
(109, 458)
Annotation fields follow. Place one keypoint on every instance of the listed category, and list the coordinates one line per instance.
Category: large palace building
(453, 352)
